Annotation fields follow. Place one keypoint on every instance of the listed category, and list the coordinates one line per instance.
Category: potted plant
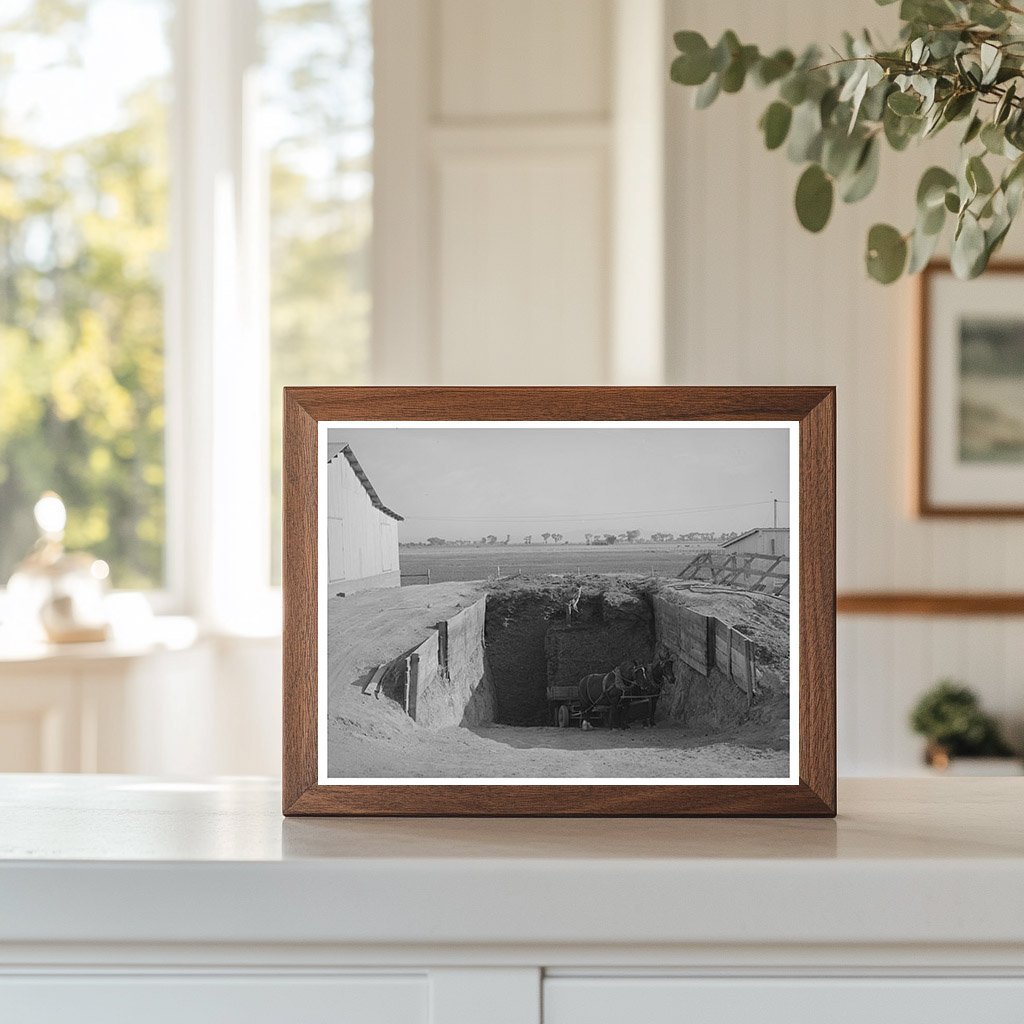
(950, 718)
(957, 62)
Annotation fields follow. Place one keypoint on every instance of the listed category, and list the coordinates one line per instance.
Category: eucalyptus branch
(954, 60)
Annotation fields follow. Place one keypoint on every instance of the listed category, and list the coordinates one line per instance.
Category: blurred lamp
(57, 594)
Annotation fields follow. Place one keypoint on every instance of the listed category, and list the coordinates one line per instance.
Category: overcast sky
(465, 482)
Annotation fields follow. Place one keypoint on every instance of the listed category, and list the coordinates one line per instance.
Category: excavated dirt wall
(533, 639)
(516, 626)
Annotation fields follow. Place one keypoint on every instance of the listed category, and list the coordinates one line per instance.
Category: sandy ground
(520, 752)
(374, 738)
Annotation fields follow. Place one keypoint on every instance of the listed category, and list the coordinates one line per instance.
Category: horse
(607, 690)
(656, 674)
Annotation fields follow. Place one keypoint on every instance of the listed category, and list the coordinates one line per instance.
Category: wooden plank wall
(704, 642)
(734, 655)
(687, 634)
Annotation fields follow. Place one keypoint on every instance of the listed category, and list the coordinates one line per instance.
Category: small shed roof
(336, 448)
(750, 533)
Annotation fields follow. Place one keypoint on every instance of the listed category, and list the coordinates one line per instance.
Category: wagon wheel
(564, 716)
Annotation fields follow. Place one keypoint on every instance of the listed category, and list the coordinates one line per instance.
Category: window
(83, 236)
(239, 217)
(317, 119)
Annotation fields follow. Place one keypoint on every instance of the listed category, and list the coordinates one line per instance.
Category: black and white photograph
(571, 602)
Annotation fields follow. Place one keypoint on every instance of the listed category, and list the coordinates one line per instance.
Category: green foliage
(956, 60)
(82, 232)
(814, 194)
(82, 249)
(949, 715)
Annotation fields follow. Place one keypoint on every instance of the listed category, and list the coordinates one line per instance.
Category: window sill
(160, 633)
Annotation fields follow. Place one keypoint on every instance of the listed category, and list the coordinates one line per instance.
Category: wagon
(567, 706)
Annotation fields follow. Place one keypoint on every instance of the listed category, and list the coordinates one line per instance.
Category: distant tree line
(595, 539)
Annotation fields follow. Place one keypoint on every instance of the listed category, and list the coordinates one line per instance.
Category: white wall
(754, 299)
(511, 140)
(508, 135)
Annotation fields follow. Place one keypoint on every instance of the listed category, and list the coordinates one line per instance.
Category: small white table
(126, 898)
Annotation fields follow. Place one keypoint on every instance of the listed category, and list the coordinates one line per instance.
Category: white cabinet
(133, 899)
(828, 1000)
(242, 999)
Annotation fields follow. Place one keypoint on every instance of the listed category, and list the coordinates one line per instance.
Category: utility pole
(775, 512)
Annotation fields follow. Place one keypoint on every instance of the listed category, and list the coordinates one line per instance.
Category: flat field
(449, 564)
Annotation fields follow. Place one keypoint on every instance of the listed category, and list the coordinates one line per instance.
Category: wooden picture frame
(934, 474)
(810, 790)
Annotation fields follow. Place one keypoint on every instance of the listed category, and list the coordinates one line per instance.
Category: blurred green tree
(82, 232)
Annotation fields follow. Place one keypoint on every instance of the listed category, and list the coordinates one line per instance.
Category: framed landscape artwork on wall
(559, 601)
(970, 450)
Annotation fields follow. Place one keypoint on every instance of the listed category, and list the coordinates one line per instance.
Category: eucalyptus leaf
(735, 74)
(968, 248)
(904, 103)
(1013, 186)
(814, 195)
(689, 70)
(840, 152)
(973, 130)
(886, 253)
(987, 15)
(900, 130)
(978, 176)
(794, 88)
(1005, 105)
(991, 60)
(805, 133)
(993, 138)
(771, 69)
(725, 50)
(931, 190)
(932, 221)
(875, 98)
(922, 248)
(957, 106)
(707, 93)
(775, 124)
(865, 174)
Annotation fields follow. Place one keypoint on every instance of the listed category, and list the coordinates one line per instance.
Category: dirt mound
(762, 617)
(381, 627)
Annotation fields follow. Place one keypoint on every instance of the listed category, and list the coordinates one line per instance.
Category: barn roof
(750, 533)
(336, 448)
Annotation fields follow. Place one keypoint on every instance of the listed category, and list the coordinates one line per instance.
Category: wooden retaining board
(688, 634)
(734, 655)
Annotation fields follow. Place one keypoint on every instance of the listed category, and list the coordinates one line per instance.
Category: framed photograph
(970, 450)
(559, 601)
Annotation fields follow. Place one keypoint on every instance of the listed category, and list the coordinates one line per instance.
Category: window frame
(217, 346)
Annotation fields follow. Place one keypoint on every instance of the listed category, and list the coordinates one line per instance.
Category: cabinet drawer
(661, 1000)
(202, 999)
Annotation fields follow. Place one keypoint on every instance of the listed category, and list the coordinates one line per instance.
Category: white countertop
(120, 859)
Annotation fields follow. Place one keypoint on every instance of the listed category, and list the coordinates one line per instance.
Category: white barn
(362, 532)
(765, 540)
